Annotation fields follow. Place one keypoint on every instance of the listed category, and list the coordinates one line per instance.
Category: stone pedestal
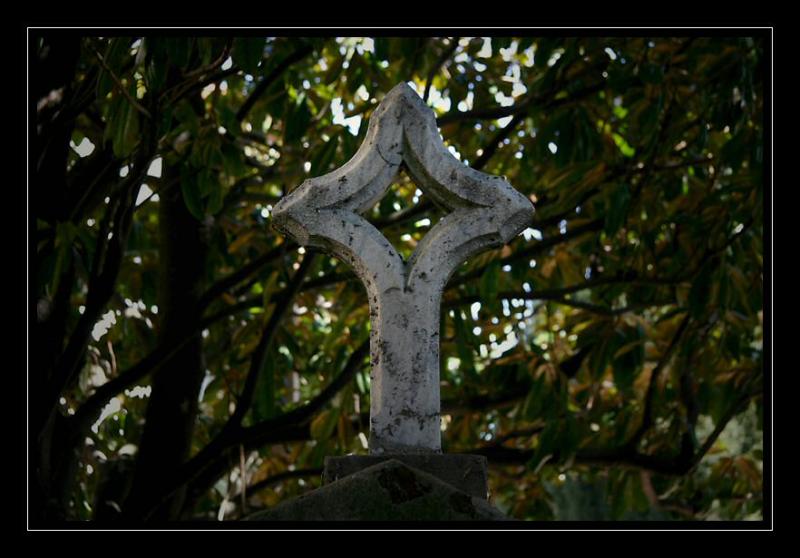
(467, 473)
(388, 490)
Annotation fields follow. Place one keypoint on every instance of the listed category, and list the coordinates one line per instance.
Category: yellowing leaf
(237, 244)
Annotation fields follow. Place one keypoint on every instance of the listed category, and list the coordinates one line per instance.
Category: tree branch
(543, 101)
(553, 296)
(241, 274)
(493, 113)
(270, 329)
(253, 434)
(539, 247)
(216, 451)
(497, 141)
(622, 456)
(105, 269)
(437, 66)
(647, 415)
(265, 83)
(134, 103)
(282, 476)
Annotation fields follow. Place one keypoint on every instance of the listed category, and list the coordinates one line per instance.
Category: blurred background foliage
(190, 362)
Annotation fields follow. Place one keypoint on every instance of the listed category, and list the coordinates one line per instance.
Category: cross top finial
(484, 211)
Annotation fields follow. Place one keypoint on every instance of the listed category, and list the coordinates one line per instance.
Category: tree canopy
(188, 361)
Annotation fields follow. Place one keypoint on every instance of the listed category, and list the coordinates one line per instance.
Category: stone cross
(326, 212)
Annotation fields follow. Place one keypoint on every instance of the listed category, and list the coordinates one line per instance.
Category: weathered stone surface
(467, 473)
(388, 491)
(484, 211)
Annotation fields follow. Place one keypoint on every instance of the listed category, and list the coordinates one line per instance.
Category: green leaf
(700, 291)
(537, 399)
(464, 351)
(386, 205)
(233, 161)
(186, 116)
(192, 198)
(628, 349)
(165, 121)
(337, 328)
(569, 438)
(544, 48)
(149, 289)
(205, 47)
(322, 160)
(732, 344)
(601, 356)
(651, 73)
(247, 53)
(547, 446)
(362, 382)
(65, 235)
(408, 47)
(123, 126)
(215, 197)
(323, 424)
(334, 72)
(205, 182)
(734, 150)
(500, 42)
(620, 77)
(617, 208)
(297, 120)
(227, 117)
(178, 49)
(116, 52)
(623, 145)
(524, 43)
(490, 281)
(157, 63)
(381, 48)
(268, 289)
(89, 243)
(264, 405)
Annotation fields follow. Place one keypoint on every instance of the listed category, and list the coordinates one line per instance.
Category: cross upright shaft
(404, 348)
(484, 211)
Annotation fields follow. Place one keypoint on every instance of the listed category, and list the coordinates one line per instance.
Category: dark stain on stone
(402, 485)
(462, 503)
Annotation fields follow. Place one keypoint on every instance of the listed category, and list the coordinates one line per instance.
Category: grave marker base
(467, 473)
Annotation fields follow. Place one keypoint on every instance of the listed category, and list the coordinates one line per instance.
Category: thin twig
(265, 83)
(437, 66)
(121, 87)
(647, 415)
(213, 65)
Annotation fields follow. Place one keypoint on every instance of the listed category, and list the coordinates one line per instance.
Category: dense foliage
(190, 362)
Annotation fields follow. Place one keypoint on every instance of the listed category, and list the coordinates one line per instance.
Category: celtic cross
(484, 211)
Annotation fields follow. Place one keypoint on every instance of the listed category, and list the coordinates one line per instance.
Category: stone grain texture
(467, 473)
(326, 212)
(388, 491)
